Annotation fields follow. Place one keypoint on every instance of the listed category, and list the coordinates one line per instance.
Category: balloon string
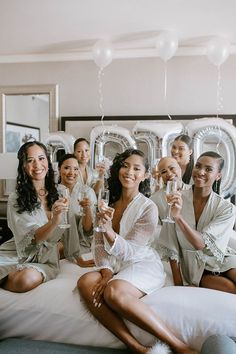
(165, 93)
(219, 98)
(219, 104)
(100, 74)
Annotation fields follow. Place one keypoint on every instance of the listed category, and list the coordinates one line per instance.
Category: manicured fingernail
(99, 305)
(93, 293)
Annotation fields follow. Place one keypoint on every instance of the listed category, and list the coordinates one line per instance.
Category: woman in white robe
(127, 267)
(82, 207)
(197, 244)
(33, 213)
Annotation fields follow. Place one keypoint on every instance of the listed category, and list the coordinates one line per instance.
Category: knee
(113, 295)
(84, 285)
(27, 279)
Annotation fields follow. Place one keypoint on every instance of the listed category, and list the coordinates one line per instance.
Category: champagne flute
(64, 194)
(81, 195)
(103, 201)
(171, 188)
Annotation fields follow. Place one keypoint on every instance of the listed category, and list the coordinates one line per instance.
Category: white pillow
(53, 311)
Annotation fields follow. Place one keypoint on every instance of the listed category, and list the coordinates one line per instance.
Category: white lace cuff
(167, 254)
(211, 245)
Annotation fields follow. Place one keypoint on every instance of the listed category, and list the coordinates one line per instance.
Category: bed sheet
(54, 312)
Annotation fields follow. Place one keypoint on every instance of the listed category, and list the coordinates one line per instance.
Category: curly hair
(215, 155)
(188, 172)
(114, 183)
(27, 199)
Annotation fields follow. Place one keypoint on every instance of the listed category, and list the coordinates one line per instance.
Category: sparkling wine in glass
(103, 201)
(171, 188)
(64, 194)
(81, 195)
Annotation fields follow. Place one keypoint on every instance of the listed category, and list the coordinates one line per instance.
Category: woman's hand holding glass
(171, 189)
(84, 201)
(105, 213)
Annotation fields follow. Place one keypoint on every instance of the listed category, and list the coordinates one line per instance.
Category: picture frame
(18, 134)
(80, 126)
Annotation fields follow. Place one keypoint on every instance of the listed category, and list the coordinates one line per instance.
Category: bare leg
(223, 282)
(113, 322)
(21, 281)
(124, 298)
(105, 315)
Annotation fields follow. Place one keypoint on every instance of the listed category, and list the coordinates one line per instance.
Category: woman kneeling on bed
(127, 267)
(197, 244)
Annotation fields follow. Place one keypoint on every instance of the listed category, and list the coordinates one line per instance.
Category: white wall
(132, 86)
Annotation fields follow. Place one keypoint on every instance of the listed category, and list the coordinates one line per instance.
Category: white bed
(54, 312)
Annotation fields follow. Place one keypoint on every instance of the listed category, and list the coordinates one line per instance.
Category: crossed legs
(121, 299)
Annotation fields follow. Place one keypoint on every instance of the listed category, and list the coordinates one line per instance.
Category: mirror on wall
(26, 113)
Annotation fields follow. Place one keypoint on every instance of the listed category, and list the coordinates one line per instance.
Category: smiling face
(181, 152)
(36, 164)
(82, 152)
(69, 171)
(132, 172)
(206, 172)
(169, 169)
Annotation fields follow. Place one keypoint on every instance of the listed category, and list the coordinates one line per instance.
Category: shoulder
(12, 199)
(146, 204)
(157, 196)
(222, 204)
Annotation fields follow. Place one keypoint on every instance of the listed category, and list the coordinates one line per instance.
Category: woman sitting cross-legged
(197, 244)
(33, 213)
(127, 267)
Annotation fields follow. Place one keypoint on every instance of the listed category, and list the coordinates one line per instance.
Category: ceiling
(54, 30)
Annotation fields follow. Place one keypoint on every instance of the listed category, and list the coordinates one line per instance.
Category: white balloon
(102, 53)
(218, 50)
(166, 44)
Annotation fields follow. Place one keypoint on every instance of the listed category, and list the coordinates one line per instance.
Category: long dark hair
(114, 183)
(27, 199)
(64, 158)
(215, 155)
(189, 168)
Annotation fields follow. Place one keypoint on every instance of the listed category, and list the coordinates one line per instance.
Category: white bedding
(54, 312)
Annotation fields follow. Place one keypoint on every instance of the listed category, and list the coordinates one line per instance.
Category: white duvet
(54, 312)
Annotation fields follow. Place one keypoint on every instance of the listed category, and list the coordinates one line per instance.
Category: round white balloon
(166, 44)
(218, 50)
(102, 53)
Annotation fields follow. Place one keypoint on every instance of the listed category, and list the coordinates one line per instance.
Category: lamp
(9, 164)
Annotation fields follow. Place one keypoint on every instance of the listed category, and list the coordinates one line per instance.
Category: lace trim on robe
(28, 242)
(167, 254)
(211, 246)
(27, 265)
(101, 257)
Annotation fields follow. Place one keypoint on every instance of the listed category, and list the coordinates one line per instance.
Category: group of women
(127, 267)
